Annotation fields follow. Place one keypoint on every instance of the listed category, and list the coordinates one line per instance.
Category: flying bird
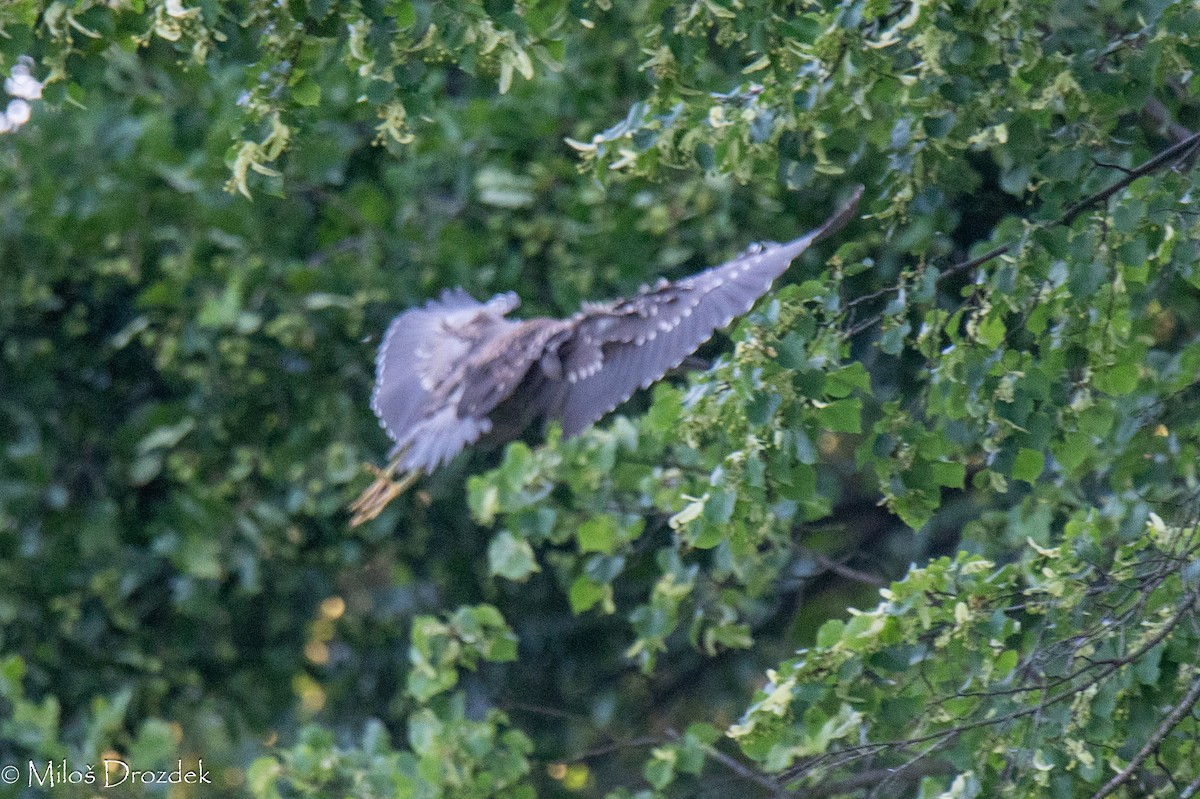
(456, 369)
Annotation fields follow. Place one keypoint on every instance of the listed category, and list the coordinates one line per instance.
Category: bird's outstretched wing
(502, 365)
(418, 381)
(617, 348)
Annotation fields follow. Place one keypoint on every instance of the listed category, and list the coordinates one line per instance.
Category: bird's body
(457, 369)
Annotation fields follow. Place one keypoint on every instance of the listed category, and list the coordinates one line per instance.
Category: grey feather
(455, 369)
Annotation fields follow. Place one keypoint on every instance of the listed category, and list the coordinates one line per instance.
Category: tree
(973, 420)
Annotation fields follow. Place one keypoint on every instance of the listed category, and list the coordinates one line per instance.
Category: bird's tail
(388, 485)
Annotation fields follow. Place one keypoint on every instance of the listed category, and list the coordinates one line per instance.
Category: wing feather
(644, 336)
(445, 370)
(436, 439)
(419, 354)
(504, 362)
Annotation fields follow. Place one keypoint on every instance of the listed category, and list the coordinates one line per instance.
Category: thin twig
(966, 266)
(1164, 729)
(1108, 165)
(1182, 149)
(616, 746)
(867, 779)
(849, 572)
(1178, 150)
(542, 710)
(745, 772)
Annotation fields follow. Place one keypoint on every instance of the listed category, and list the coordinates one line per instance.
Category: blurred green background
(217, 207)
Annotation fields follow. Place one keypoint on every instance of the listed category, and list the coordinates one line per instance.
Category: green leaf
(660, 769)
(849, 378)
(1147, 667)
(483, 498)
(511, 557)
(1072, 450)
(307, 92)
(792, 351)
(1028, 465)
(992, 330)
(404, 13)
(718, 510)
(705, 733)
(584, 594)
(841, 416)
(951, 475)
(666, 410)
(1005, 663)
(1120, 379)
(262, 776)
(892, 340)
(830, 633)
(155, 742)
(598, 534)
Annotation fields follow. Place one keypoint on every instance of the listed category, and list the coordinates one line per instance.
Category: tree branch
(1178, 150)
(617, 746)
(746, 772)
(1186, 145)
(849, 572)
(873, 777)
(1164, 729)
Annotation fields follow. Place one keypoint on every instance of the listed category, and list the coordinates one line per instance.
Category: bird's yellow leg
(378, 494)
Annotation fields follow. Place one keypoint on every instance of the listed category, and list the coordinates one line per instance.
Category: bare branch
(849, 572)
(616, 746)
(746, 772)
(1185, 147)
(1179, 150)
(1169, 723)
(867, 779)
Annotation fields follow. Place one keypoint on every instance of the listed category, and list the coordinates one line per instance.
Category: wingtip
(844, 214)
(838, 220)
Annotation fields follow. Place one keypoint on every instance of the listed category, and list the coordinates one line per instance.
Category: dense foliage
(926, 526)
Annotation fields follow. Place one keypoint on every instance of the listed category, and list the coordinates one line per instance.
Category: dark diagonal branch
(1173, 153)
(1185, 147)
(848, 572)
(874, 777)
(746, 772)
(1176, 151)
(1172, 720)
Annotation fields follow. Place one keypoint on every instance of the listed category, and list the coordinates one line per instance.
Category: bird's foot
(378, 494)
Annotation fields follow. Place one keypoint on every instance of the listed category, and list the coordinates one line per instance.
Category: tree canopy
(926, 525)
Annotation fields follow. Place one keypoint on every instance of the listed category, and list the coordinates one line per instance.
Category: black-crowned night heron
(457, 369)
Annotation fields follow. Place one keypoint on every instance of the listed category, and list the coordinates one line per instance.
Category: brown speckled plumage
(456, 369)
